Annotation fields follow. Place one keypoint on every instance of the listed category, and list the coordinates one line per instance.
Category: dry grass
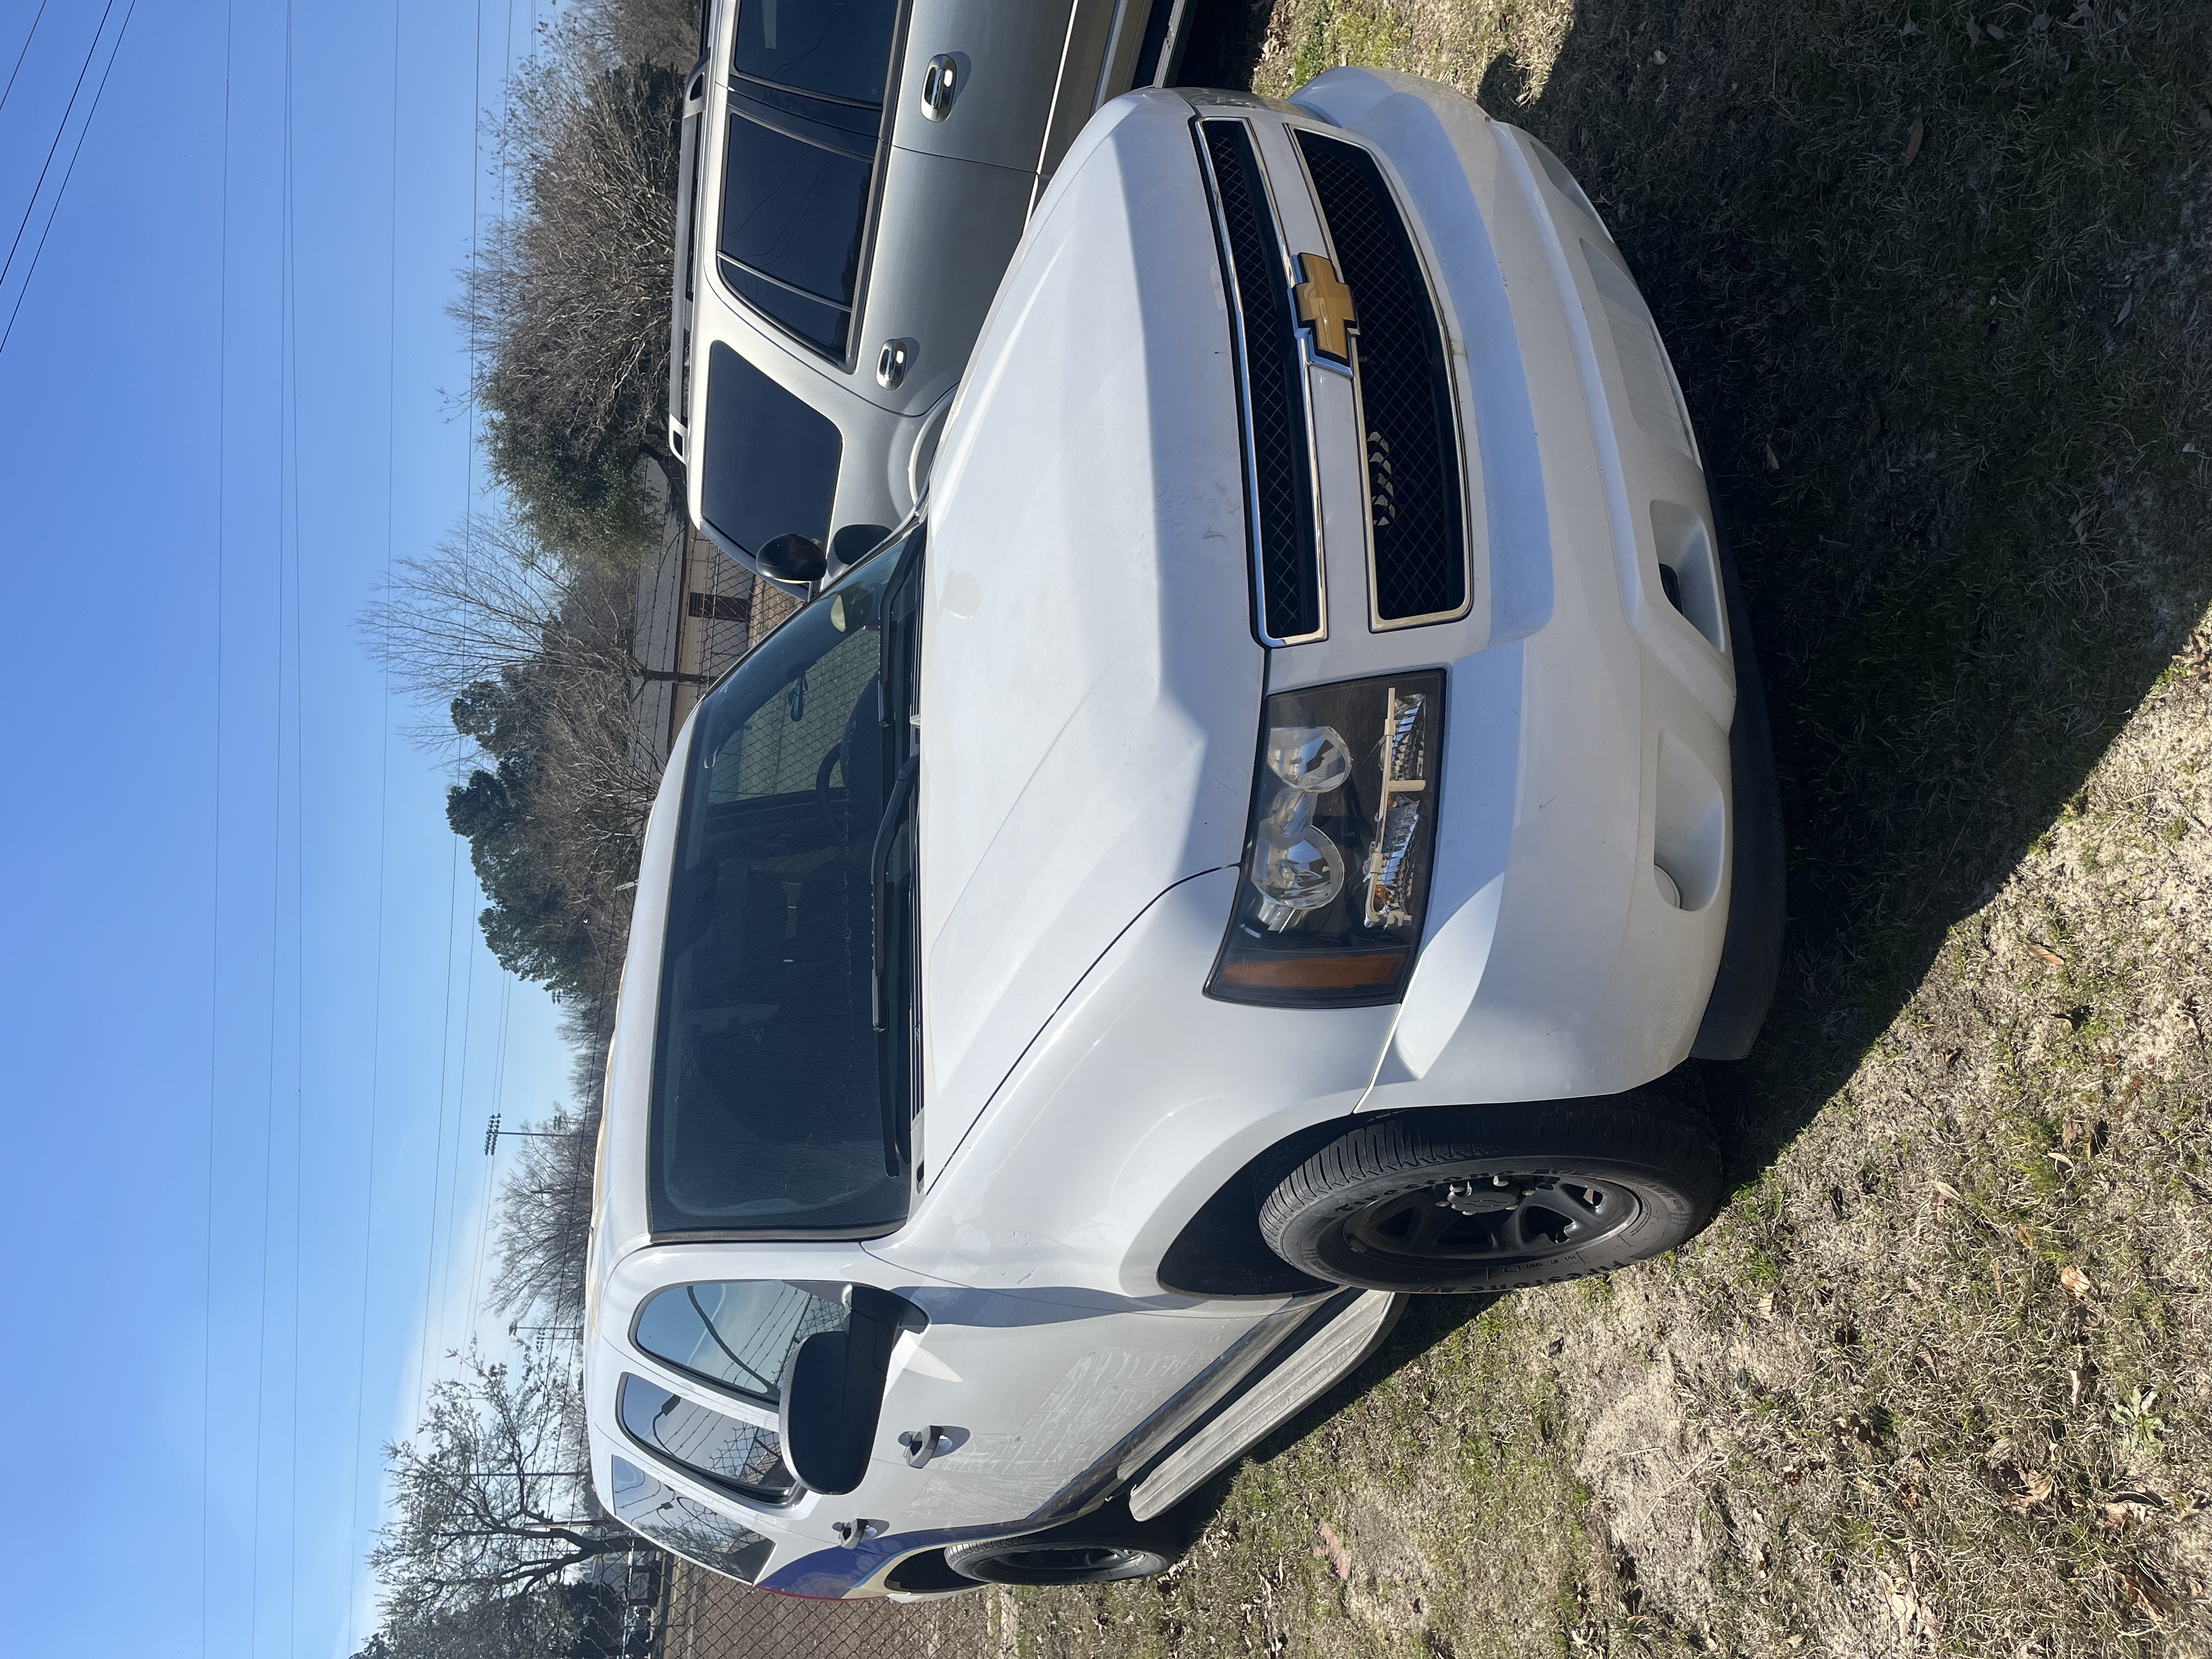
(1936, 1380)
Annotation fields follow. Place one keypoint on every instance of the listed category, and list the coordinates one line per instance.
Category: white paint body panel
(1090, 695)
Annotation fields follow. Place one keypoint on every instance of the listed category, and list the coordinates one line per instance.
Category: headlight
(1336, 873)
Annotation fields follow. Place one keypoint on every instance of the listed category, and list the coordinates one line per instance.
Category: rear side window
(742, 1457)
(794, 214)
(674, 1521)
(770, 462)
(735, 1336)
(806, 104)
(835, 48)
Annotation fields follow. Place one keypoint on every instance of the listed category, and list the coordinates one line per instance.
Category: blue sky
(241, 947)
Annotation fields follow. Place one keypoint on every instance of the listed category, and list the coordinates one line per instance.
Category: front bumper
(1586, 843)
(1584, 859)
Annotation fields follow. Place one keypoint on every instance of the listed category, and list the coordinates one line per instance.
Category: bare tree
(544, 1223)
(532, 655)
(567, 302)
(489, 598)
(493, 1496)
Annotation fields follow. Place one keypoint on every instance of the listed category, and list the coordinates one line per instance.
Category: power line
(21, 54)
(67, 110)
(215, 942)
(299, 843)
(383, 820)
(275, 855)
(55, 212)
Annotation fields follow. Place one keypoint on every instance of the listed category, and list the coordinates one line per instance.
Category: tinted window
(839, 48)
(770, 462)
(735, 1336)
(686, 1526)
(742, 1456)
(769, 1113)
(817, 322)
(794, 212)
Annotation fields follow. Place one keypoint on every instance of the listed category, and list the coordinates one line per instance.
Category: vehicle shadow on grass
(1931, 297)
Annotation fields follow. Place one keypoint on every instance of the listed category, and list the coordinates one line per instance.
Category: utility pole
(493, 1132)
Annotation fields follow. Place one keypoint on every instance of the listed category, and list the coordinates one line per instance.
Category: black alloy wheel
(1492, 1198)
(1490, 1221)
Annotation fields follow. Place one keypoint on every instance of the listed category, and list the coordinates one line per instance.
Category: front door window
(735, 1336)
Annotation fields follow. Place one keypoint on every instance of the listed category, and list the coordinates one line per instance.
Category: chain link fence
(706, 1616)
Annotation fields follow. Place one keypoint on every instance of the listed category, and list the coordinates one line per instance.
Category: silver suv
(856, 176)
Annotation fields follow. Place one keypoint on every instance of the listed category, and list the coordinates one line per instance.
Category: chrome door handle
(939, 81)
(891, 363)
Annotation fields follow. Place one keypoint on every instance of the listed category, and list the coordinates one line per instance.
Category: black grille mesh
(1405, 389)
(1283, 547)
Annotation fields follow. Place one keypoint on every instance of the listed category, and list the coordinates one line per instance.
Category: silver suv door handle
(939, 81)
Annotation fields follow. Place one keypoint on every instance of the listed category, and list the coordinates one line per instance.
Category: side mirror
(833, 1393)
(793, 558)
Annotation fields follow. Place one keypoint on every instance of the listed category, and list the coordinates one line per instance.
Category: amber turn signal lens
(1333, 972)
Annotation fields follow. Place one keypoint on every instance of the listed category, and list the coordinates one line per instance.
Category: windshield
(779, 1108)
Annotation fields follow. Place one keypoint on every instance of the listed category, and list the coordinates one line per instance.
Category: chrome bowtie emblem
(1325, 304)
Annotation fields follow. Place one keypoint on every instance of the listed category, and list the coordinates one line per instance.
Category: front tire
(1495, 1198)
(1102, 1548)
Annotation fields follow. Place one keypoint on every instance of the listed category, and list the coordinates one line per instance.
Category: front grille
(1285, 561)
(1415, 495)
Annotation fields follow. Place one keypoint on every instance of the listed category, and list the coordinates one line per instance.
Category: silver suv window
(835, 48)
(806, 92)
(771, 460)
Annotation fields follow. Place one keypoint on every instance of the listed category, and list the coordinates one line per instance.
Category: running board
(1301, 1378)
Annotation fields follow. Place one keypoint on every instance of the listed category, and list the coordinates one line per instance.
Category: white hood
(1091, 686)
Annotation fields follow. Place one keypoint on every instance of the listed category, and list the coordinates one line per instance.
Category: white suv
(854, 175)
(1264, 840)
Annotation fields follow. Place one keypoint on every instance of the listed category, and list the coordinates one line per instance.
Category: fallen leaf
(2027, 1237)
(1331, 1549)
(2035, 1488)
(1914, 1285)
(1995, 31)
(2044, 953)
(2076, 1282)
(1948, 1191)
(1913, 141)
(1766, 1305)
(2147, 1591)
(1973, 33)
(1997, 1275)
(1658, 57)
(1774, 465)
(2118, 1511)
(1908, 1494)
(1951, 1058)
